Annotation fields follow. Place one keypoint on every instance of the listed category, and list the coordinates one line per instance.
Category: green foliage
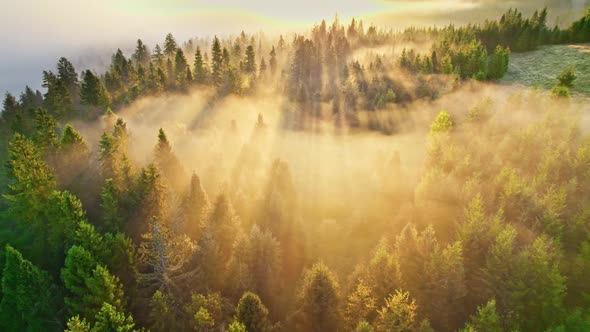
(89, 284)
(560, 91)
(93, 91)
(203, 320)
(364, 327)
(360, 306)
(567, 77)
(319, 299)
(252, 313)
(31, 181)
(109, 319)
(236, 326)
(399, 313)
(28, 296)
(486, 319)
(442, 124)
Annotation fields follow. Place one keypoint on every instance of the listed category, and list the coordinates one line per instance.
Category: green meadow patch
(540, 68)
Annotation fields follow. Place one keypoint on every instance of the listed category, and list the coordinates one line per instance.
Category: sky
(35, 33)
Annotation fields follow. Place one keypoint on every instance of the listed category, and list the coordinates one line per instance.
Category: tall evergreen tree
(89, 284)
(93, 91)
(68, 75)
(28, 296)
(170, 46)
(200, 70)
(141, 56)
(319, 299)
(216, 62)
(252, 313)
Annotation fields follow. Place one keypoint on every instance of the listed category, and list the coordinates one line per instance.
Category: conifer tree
(165, 254)
(141, 56)
(93, 91)
(399, 313)
(250, 60)
(252, 313)
(68, 75)
(112, 320)
(273, 61)
(170, 46)
(195, 207)
(10, 107)
(319, 299)
(216, 62)
(45, 135)
(360, 305)
(57, 99)
(28, 296)
(31, 181)
(167, 163)
(89, 284)
(200, 70)
(223, 224)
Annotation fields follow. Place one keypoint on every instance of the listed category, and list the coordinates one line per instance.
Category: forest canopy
(350, 178)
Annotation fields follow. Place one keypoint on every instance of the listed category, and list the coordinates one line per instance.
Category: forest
(345, 178)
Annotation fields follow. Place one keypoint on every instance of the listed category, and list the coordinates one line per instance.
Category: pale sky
(34, 33)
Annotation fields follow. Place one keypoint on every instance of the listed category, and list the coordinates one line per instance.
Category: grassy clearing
(541, 67)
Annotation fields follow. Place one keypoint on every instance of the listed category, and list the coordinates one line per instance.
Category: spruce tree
(200, 69)
(216, 62)
(252, 313)
(28, 296)
(141, 56)
(68, 75)
(170, 46)
(319, 299)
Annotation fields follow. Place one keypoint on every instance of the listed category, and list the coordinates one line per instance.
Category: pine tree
(201, 71)
(360, 305)
(112, 219)
(28, 296)
(93, 91)
(109, 319)
(180, 68)
(252, 313)
(399, 313)
(319, 299)
(250, 60)
(165, 254)
(216, 63)
(170, 46)
(273, 61)
(477, 234)
(45, 136)
(195, 207)
(64, 213)
(57, 99)
(446, 64)
(486, 319)
(167, 163)
(30, 181)
(141, 56)
(67, 74)
(223, 224)
(89, 284)
(10, 108)
(158, 56)
(262, 72)
(76, 324)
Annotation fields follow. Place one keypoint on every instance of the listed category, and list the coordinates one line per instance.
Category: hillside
(540, 68)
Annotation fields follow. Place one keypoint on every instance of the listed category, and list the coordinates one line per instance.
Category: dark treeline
(481, 51)
(493, 236)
